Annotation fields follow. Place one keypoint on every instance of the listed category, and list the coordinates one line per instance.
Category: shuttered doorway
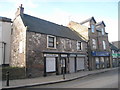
(80, 64)
(50, 64)
(72, 65)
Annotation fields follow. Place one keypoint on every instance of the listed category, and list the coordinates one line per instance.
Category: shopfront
(102, 59)
(72, 63)
(102, 62)
(80, 62)
(50, 62)
(97, 62)
(62, 63)
(115, 59)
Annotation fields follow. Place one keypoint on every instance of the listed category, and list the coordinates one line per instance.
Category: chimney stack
(20, 11)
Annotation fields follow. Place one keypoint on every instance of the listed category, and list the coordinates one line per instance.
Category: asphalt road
(107, 79)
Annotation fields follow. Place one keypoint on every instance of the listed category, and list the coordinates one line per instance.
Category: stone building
(115, 55)
(5, 35)
(116, 44)
(45, 48)
(97, 40)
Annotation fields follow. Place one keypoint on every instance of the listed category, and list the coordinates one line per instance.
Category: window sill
(79, 50)
(51, 48)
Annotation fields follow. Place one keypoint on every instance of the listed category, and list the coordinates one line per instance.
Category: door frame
(63, 64)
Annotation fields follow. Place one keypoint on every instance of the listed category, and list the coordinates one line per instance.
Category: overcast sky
(63, 11)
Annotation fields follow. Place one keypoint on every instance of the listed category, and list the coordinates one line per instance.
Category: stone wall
(18, 44)
(37, 43)
(27, 48)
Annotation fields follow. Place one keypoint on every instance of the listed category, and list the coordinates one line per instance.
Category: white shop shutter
(1, 55)
(50, 64)
(72, 65)
(80, 64)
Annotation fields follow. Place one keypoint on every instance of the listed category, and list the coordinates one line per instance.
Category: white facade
(5, 35)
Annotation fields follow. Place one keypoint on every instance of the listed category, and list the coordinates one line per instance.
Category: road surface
(107, 79)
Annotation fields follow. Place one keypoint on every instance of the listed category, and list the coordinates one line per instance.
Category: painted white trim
(54, 41)
(50, 55)
(81, 46)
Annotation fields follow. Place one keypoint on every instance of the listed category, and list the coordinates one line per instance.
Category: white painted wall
(5, 36)
(1, 58)
(1, 55)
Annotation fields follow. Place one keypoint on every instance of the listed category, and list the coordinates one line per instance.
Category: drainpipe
(4, 47)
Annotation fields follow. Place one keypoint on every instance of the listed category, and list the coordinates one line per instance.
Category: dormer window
(102, 31)
(92, 28)
(51, 41)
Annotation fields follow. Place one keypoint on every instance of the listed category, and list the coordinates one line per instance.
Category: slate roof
(87, 20)
(98, 29)
(5, 19)
(99, 23)
(113, 47)
(35, 24)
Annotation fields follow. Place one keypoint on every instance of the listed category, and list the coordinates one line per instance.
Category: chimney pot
(20, 11)
(21, 5)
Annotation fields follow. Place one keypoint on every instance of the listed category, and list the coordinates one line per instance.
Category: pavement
(21, 83)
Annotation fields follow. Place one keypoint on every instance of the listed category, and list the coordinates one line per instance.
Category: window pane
(51, 45)
(79, 46)
(94, 43)
(51, 41)
(103, 31)
(104, 45)
(92, 28)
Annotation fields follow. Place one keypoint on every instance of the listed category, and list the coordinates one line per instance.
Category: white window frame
(102, 30)
(80, 45)
(104, 45)
(93, 28)
(48, 41)
(94, 44)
